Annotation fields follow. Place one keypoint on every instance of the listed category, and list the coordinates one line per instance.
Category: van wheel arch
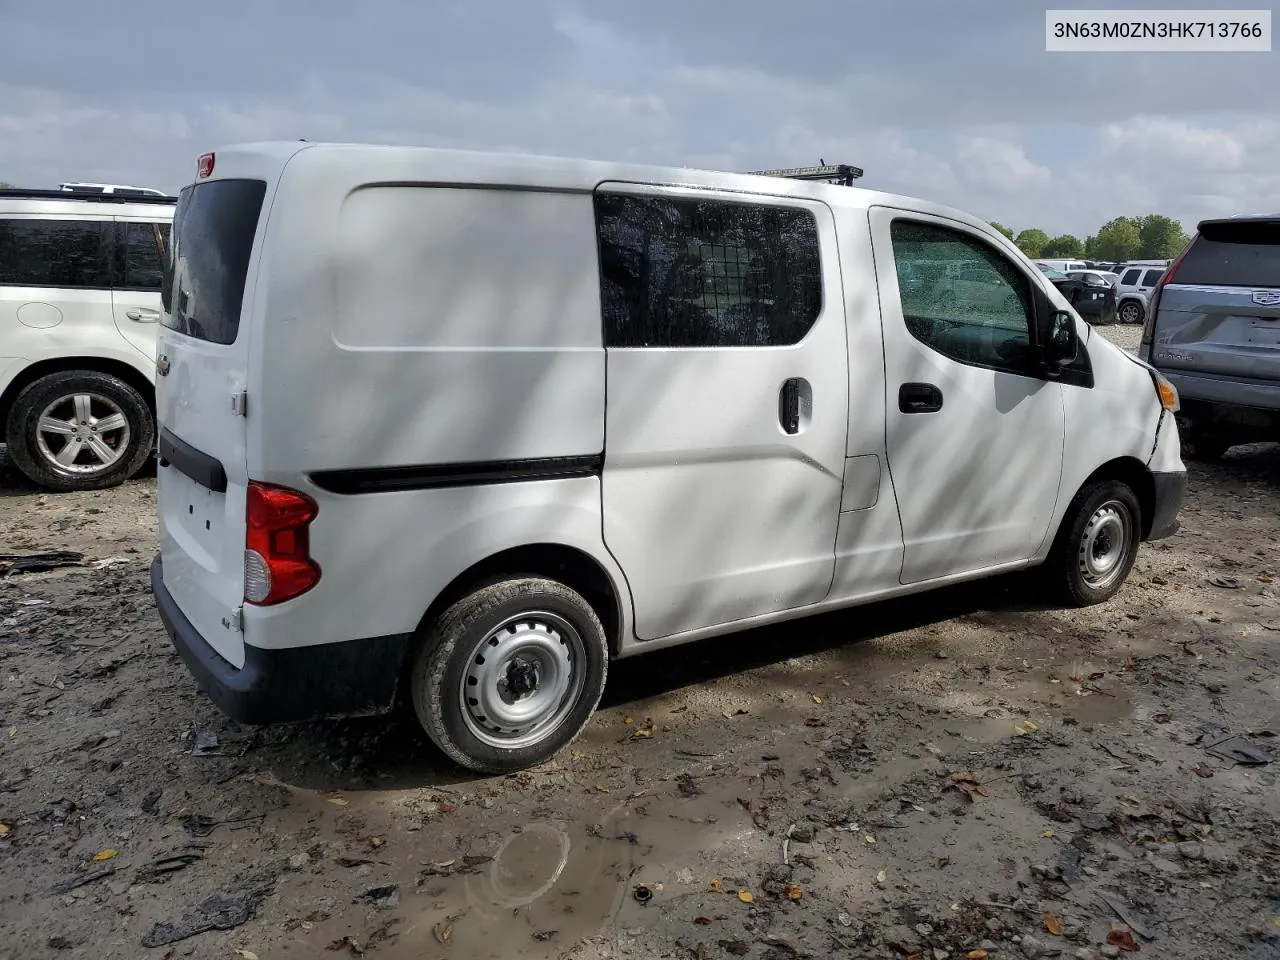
(1134, 474)
(568, 565)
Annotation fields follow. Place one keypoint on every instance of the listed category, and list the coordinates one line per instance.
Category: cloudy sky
(954, 101)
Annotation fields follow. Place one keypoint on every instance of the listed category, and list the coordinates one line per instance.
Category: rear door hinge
(235, 621)
(240, 403)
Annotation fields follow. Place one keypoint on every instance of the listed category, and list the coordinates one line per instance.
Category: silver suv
(1133, 289)
(1213, 329)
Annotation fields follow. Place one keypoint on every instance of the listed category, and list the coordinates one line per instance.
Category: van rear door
(202, 367)
(1219, 314)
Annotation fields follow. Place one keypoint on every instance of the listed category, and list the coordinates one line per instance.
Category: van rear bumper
(354, 678)
(1170, 489)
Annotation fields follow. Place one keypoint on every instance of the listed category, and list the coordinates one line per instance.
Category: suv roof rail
(20, 194)
(841, 173)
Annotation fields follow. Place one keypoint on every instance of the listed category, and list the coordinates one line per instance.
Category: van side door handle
(795, 405)
(143, 315)
(919, 398)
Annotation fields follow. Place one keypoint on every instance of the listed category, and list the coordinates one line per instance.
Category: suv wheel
(1131, 312)
(79, 430)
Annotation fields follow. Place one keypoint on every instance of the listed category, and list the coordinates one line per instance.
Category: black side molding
(435, 476)
(200, 467)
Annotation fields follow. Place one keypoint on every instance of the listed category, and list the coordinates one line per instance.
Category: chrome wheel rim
(1105, 544)
(522, 679)
(82, 433)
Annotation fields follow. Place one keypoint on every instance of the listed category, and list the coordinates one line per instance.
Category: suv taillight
(277, 559)
(1149, 322)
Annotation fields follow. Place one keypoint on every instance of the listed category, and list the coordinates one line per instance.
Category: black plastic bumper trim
(348, 679)
(1170, 489)
(433, 476)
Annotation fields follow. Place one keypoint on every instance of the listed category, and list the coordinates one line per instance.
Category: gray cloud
(956, 102)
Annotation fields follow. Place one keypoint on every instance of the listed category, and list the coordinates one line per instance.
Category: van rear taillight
(204, 166)
(277, 557)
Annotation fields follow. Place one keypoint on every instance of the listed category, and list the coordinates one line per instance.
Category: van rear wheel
(79, 430)
(510, 674)
(1097, 544)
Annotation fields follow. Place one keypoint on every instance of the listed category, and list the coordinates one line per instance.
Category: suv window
(1152, 277)
(213, 229)
(706, 273)
(145, 250)
(985, 322)
(1233, 255)
(54, 253)
(1131, 277)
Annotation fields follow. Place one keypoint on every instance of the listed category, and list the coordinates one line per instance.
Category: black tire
(452, 654)
(1207, 449)
(1138, 314)
(1067, 569)
(57, 392)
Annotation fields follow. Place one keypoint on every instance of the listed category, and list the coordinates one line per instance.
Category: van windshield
(1246, 254)
(213, 228)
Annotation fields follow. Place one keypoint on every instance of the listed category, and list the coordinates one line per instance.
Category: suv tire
(79, 430)
(1131, 312)
(519, 705)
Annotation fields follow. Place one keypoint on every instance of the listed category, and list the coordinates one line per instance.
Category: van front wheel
(1097, 544)
(510, 674)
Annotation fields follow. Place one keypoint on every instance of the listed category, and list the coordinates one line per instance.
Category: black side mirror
(1062, 342)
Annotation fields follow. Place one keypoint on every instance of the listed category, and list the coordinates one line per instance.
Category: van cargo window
(1233, 255)
(55, 253)
(213, 229)
(706, 273)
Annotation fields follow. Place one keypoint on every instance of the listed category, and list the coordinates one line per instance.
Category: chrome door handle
(143, 315)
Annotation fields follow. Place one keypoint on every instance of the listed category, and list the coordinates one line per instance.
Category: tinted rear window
(1233, 255)
(213, 228)
(55, 253)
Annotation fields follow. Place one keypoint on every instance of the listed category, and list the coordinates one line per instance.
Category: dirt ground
(964, 772)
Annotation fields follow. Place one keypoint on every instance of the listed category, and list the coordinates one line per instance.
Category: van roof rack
(841, 173)
(14, 193)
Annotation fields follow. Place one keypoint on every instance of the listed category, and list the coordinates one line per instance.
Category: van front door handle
(919, 398)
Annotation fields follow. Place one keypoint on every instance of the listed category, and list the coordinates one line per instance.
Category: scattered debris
(72, 883)
(642, 894)
(158, 871)
(14, 563)
(383, 898)
(206, 744)
(223, 911)
(1239, 750)
(969, 785)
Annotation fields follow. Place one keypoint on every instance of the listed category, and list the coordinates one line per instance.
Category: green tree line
(1153, 237)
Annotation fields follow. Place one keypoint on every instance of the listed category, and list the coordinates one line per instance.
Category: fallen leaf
(1053, 924)
(1266, 578)
(817, 699)
(702, 921)
(246, 955)
(1048, 834)
(1227, 583)
(794, 892)
(977, 955)
(882, 877)
(442, 933)
(628, 720)
(969, 785)
(815, 722)
(714, 887)
(348, 942)
(104, 855)
(376, 842)
(870, 838)
(1031, 726)
(1119, 936)
(681, 709)
(600, 789)
(4, 829)
(1130, 798)
(338, 801)
(730, 714)
(746, 897)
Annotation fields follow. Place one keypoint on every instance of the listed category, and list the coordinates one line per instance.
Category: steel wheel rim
(522, 679)
(1105, 544)
(82, 433)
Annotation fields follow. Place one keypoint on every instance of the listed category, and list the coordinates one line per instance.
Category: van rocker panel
(351, 678)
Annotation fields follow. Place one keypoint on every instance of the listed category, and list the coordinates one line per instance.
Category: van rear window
(213, 228)
(1233, 255)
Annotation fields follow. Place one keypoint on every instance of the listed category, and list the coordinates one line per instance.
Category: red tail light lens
(204, 166)
(277, 554)
(1149, 322)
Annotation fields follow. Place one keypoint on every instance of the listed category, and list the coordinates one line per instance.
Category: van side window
(54, 253)
(706, 273)
(144, 249)
(962, 298)
(1131, 277)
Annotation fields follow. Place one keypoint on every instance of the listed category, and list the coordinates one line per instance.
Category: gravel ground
(964, 772)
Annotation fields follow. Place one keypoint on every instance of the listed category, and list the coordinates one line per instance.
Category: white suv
(1133, 289)
(80, 278)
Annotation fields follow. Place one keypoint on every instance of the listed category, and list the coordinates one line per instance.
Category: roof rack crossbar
(841, 173)
(20, 194)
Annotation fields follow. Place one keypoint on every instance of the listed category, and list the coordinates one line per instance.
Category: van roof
(440, 165)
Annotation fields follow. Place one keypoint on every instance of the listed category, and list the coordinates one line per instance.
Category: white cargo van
(467, 427)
